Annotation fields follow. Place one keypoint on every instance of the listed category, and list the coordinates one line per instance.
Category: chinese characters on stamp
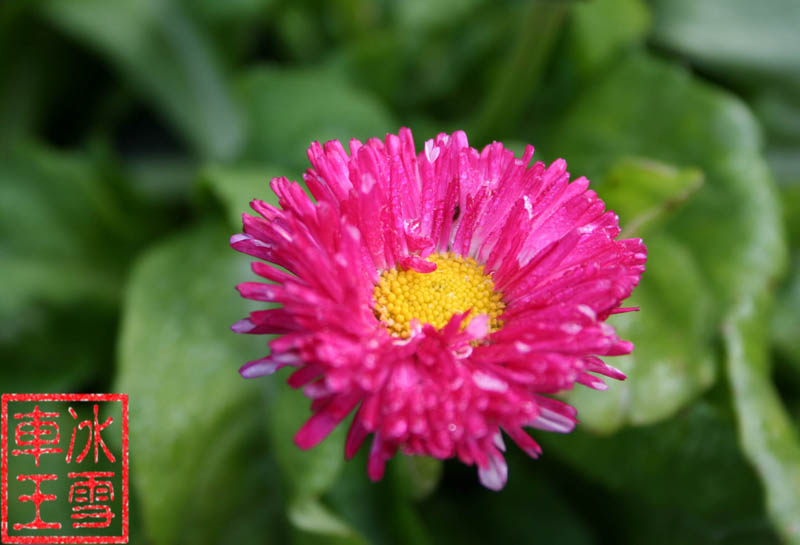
(56, 460)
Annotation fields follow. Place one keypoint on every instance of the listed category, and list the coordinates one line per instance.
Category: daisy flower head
(442, 296)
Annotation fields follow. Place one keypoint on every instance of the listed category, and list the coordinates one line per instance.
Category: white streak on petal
(259, 369)
(282, 232)
(552, 421)
(528, 206)
(521, 347)
(243, 326)
(494, 476)
(316, 390)
(488, 382)
(478, 327)
(367, 182)
(431, 151)
(596, 383)
(354, 232)
(260, 243)
(498, 441)
(571, 328)
(587, 311)
(269, 365)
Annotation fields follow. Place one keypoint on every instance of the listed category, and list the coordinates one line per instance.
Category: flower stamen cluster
(456, 285)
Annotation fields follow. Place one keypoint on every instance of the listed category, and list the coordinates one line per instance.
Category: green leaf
(673, 361)
(382, 511)
(236, 186)
(54, 349)
(787, 317)
(57, 223)
(288, 109)
(790, 199)
(689, 124)
(416, 15)
(645, 193)
(315, 523)
(778, 110)
(162, 180)
(60, 509)
(27, 56)
(767, 435)
(193, 420)
(234, 10)
(730, 227)
(532, 508)
(451, 51)
(747, 40)
(65, 242)
(725, 241)
(600, 29)
(165, 55)
(307, 473)
(417, 476)
(686, 469)
(671, 333)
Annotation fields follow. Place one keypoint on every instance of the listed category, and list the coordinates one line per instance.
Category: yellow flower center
(456, 285)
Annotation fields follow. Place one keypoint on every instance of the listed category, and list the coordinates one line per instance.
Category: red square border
(4, 537)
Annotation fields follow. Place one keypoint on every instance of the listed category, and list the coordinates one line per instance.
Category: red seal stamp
(64, 468)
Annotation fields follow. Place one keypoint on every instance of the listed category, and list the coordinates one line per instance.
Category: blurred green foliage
(133, 133)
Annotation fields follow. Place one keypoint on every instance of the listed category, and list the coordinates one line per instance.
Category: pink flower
(440, 295)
